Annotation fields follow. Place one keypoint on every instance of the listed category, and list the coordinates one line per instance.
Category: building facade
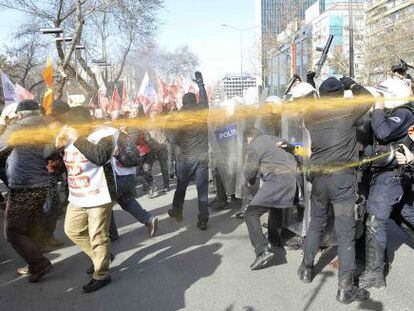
(233, 85)
(389, 36)
(295, 51)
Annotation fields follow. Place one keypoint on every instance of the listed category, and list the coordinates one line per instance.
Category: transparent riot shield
(224, 140)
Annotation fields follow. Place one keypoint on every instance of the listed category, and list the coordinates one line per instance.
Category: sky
(196, 23)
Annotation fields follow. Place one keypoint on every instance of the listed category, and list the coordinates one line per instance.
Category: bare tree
(125, 22)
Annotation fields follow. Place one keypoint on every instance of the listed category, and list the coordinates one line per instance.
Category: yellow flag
(48, 73)
(47, 101)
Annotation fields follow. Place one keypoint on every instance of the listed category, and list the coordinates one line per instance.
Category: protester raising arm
(203, 101)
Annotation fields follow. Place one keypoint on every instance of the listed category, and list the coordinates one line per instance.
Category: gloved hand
(198, 77)
(411, 132)
(347, 82)
(404, 158)
(310, 75)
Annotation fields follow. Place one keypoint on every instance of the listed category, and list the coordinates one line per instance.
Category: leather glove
(347, 82)
(311, 75)
(404, 158)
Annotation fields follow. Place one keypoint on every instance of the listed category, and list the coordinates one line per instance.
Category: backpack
(128, 154)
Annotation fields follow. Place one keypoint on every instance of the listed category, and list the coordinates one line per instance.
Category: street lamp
(64, 39)
(51, 31)
(240, 30)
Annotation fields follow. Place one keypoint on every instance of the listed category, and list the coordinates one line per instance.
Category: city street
(183, 268)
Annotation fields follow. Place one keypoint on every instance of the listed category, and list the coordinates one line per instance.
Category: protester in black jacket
(29, 183)
(277, 169)
(191, 145)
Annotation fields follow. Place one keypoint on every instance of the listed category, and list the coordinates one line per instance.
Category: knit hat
(59, 107)
(331, 87)
(27, 105)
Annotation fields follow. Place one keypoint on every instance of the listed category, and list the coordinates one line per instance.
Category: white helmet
(302, 90)
(274, 100)
(397, 90)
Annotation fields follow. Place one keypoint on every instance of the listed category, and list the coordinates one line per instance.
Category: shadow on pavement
(147, 274)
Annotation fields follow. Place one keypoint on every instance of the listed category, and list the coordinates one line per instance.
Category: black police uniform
(390, 187)
(334, 144)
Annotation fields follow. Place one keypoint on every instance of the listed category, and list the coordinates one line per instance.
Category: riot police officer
(333, 144)
(391, 185)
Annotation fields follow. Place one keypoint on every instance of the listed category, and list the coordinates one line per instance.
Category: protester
(126, 183)
(334, 143)
(277, 169)
(54, 204)
(29, 183)
(192, 159)
(92, 192)
(159, 151)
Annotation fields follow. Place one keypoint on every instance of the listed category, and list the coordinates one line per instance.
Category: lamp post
(240, 30)
(351, 39)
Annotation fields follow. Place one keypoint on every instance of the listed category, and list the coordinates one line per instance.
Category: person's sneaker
(346, 296)
(262, 260)
(23, 271)
(305, 273)
(91, 269)
(151, 192)
(95, 285)
(370, 279)
(176, 214)
(166, 189)
(294, 243)
(202, 225)
(219, 206)
(153, 226)
(36, 276)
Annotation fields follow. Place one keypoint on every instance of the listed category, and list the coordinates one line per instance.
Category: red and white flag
(147, 95)
(125, 99)
(22, 93)
(103, 100)
(116, 103)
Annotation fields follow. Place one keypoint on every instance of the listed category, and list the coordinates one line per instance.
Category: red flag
(163, 88)
(22, 93)
(116, 103)
(125, 98)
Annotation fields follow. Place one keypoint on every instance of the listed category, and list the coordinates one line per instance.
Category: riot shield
(225, 140)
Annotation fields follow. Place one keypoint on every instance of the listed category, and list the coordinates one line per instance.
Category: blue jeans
(125, 188)
(187, 169)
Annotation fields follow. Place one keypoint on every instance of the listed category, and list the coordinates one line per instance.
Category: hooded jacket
(25, 166)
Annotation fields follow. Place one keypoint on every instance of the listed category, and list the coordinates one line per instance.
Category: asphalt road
(183, 268)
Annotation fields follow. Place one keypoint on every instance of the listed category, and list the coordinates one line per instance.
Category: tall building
(234, 85)
(293, 51)
(276, 14)
(389, 36)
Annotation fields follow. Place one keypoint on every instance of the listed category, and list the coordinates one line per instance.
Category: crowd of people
(87, 173)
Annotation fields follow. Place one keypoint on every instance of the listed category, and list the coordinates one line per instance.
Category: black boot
(373, 275)
(262, 260)
(176, 214)
(305, 272)
(348, 292)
